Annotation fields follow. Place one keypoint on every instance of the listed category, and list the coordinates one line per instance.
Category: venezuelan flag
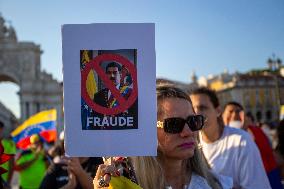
(42, 123)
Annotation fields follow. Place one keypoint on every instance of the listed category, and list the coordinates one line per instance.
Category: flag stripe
(23, 143)
(34, 129)
(48, 136)
(44, 116)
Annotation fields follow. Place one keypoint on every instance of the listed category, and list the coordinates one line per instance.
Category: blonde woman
(179, 164)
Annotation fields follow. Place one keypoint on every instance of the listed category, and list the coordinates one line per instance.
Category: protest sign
(109, 89)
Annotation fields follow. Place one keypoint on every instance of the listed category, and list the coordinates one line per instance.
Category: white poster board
(109, 89)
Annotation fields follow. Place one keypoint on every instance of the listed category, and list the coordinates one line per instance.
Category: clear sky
(204, 36)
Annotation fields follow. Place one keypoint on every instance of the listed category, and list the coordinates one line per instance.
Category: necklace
(170, 187)
(185, 180)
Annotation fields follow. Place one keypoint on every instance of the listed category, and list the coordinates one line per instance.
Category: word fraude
(109, 121)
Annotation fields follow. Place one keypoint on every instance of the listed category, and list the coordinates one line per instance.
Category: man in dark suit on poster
(128, 119)
(104, 97)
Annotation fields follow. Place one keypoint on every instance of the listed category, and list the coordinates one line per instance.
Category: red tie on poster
(123, 103)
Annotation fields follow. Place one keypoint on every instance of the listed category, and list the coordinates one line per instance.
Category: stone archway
(20, 64)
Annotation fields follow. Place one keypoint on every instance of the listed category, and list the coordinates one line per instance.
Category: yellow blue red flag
(122, 182)
(42, 123)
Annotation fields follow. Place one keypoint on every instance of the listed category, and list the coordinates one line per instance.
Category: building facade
(261, 92)
(20, 64)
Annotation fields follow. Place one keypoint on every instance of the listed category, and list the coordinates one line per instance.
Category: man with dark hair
(105, 97)
(119, 116)
(234, 116)
(229, 151)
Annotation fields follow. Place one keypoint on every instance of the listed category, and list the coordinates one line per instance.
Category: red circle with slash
(123, 103)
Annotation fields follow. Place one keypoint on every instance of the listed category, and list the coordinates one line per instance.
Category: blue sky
(204, 36)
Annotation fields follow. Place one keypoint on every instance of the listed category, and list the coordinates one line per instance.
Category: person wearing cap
(32, 164)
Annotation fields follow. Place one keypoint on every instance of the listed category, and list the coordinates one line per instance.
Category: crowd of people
(201, 145)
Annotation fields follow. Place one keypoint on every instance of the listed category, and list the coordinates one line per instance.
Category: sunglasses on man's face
(175, 125)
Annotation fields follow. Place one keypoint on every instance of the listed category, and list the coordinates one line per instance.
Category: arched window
(268, 115)
(258, 116)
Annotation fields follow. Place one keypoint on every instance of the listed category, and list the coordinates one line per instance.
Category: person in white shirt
(229, 151)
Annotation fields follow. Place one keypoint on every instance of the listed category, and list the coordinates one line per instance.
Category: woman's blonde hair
(149, 171)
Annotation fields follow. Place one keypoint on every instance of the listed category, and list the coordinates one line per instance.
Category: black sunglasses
(176, 124)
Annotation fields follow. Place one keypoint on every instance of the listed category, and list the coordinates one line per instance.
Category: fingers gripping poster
(109, 89)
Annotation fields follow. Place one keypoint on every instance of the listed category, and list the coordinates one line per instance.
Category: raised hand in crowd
(71, 173)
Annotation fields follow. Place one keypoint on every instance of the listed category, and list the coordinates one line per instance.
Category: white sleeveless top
(198, 182)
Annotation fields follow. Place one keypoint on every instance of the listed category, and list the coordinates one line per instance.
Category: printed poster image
(109, 89)
(109, 102)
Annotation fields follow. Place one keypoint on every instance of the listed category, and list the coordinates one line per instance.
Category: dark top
(56, 176)
(101, 97)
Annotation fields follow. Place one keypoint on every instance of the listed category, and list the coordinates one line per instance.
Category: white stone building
(20, 64)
